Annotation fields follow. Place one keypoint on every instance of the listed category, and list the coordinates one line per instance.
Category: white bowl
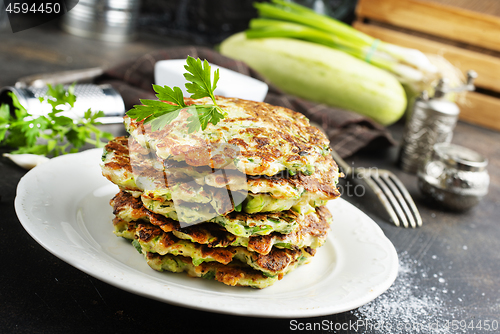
(231, 84)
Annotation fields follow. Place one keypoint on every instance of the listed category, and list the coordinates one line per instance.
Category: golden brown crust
(275, 262)
(119, 146)
(146, 233)
(229, 275)
(233, 274)
(210, 234)
(262, 244)
(124, 201)
(138, 165)
(253, 130)
(322, 183)
(213, 235)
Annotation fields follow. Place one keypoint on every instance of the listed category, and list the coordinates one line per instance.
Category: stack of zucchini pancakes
(241, 202)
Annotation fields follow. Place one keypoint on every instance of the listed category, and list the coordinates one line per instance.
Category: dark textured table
(449, 268)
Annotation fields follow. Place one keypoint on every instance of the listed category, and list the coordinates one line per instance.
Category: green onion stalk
(289, 20)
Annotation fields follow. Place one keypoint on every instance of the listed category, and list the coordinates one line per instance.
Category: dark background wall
(211, 21)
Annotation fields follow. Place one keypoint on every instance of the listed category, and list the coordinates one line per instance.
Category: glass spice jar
(455, 177)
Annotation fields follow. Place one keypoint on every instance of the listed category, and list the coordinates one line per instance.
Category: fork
(389, 189)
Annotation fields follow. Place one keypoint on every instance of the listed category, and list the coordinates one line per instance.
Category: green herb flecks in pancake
(260, 139)
(312, 230)
(146, 176)
(233, 274)
(153, 240)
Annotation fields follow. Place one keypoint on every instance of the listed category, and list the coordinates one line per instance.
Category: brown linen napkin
(348, 132)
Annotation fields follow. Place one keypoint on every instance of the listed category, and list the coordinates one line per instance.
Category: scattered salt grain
(404, 304)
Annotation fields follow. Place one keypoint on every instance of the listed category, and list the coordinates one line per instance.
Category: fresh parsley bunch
(200, 85)
(51, 134)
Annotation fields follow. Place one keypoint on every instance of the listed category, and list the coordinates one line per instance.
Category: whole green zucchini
(321, 74)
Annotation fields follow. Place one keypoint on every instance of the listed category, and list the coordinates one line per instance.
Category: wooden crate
(465, 36)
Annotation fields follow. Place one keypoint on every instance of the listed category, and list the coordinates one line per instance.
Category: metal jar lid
(454, 177)
(439, 106)
(431, 120)
(459, 157)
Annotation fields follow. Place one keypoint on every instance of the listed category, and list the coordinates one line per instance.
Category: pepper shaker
(454, 177)
(431, 121)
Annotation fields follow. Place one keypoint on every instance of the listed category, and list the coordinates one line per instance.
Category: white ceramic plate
(63, 204)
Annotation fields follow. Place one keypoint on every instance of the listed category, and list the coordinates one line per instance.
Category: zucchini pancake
(241, 202)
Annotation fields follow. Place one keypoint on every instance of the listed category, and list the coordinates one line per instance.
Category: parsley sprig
(51, 134)
(159, 114)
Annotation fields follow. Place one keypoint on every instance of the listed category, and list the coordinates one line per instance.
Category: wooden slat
(482, 110)
(490, 7)
(435, 19)
(487, 67)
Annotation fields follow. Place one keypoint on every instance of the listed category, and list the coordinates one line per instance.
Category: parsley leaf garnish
(53, 133)
(159, 113)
